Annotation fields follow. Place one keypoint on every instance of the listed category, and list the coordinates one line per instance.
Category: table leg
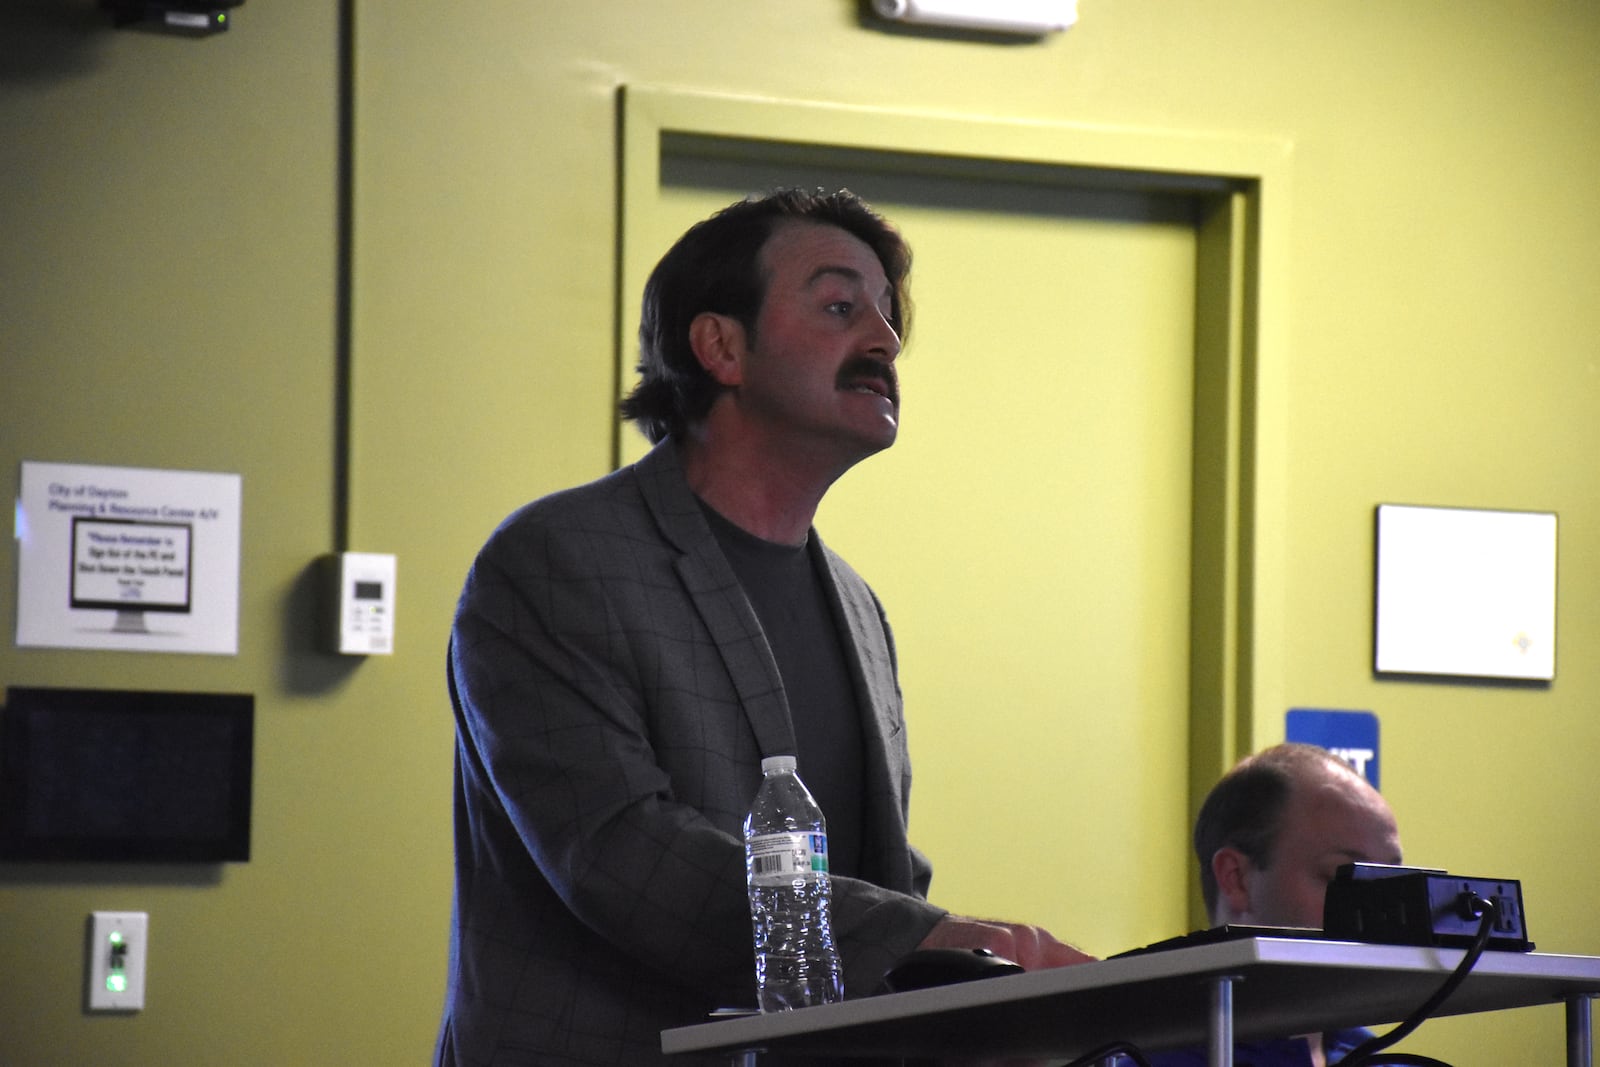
(1220, 1051)
(1580, 1040)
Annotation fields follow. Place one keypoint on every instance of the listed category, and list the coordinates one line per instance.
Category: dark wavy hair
(1244, 810)
(716, 267)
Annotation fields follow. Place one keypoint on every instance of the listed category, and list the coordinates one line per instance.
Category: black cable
(1364, 1054)
(1134, 1053)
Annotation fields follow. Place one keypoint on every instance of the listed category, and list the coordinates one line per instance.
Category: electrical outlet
(118, 945)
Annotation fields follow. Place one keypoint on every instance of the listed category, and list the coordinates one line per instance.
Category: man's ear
(718, 343)
(1232, 868)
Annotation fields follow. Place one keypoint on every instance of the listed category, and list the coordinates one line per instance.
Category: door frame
(1242, 184)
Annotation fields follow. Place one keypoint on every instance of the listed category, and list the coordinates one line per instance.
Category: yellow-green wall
(169, 298)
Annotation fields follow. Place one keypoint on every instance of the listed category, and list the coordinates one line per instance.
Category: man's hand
(1031, 946)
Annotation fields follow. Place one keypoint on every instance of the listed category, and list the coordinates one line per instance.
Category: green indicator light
(222, 20)
(117, 983)
(116, 938)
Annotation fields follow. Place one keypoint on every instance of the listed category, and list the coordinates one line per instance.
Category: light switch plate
(118, 945)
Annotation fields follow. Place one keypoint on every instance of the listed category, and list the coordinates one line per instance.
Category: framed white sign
(1465, 592)
(127, 558)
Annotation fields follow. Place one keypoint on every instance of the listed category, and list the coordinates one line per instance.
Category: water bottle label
(777, 859)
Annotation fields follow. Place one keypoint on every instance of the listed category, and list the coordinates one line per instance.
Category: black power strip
(1389, 905)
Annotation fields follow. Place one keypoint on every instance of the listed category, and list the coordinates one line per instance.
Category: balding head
(1277, 826)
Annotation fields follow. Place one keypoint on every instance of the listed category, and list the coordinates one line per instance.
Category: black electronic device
(1391, 905)
(927, 967)
(188, 18)
(125, 776)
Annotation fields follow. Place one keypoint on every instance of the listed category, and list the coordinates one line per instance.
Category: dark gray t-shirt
(782, 585)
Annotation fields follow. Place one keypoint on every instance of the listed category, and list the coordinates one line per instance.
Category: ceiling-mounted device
(189, 18)
(1031, 17)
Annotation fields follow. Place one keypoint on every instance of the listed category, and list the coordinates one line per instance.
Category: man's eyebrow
(849, 274)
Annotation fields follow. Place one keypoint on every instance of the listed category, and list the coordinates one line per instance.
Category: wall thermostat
(360, 595)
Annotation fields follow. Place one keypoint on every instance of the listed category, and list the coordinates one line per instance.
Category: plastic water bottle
(786, 868)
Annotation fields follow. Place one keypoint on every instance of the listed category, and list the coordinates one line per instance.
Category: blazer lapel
(717, 596)
(869, 649)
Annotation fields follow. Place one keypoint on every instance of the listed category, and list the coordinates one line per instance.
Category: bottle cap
(777, 764)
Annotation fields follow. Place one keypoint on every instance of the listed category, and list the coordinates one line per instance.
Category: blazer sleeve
(556, 705)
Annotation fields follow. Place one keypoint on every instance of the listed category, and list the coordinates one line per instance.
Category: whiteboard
(1466, 592)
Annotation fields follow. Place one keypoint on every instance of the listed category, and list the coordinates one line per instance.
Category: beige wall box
(359, 593)
(1466, 592)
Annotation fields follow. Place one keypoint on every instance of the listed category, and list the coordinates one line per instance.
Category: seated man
(1269, 838)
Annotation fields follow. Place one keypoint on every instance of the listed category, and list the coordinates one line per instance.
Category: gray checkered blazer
(614, 696)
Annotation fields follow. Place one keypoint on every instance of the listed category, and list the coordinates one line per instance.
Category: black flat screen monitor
(118, 775)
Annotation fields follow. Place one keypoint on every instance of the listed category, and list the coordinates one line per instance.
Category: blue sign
(1350, 735)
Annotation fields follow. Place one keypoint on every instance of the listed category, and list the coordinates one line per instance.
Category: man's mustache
(861, 370)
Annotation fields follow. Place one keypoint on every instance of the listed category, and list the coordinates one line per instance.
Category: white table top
(1157, 1000)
